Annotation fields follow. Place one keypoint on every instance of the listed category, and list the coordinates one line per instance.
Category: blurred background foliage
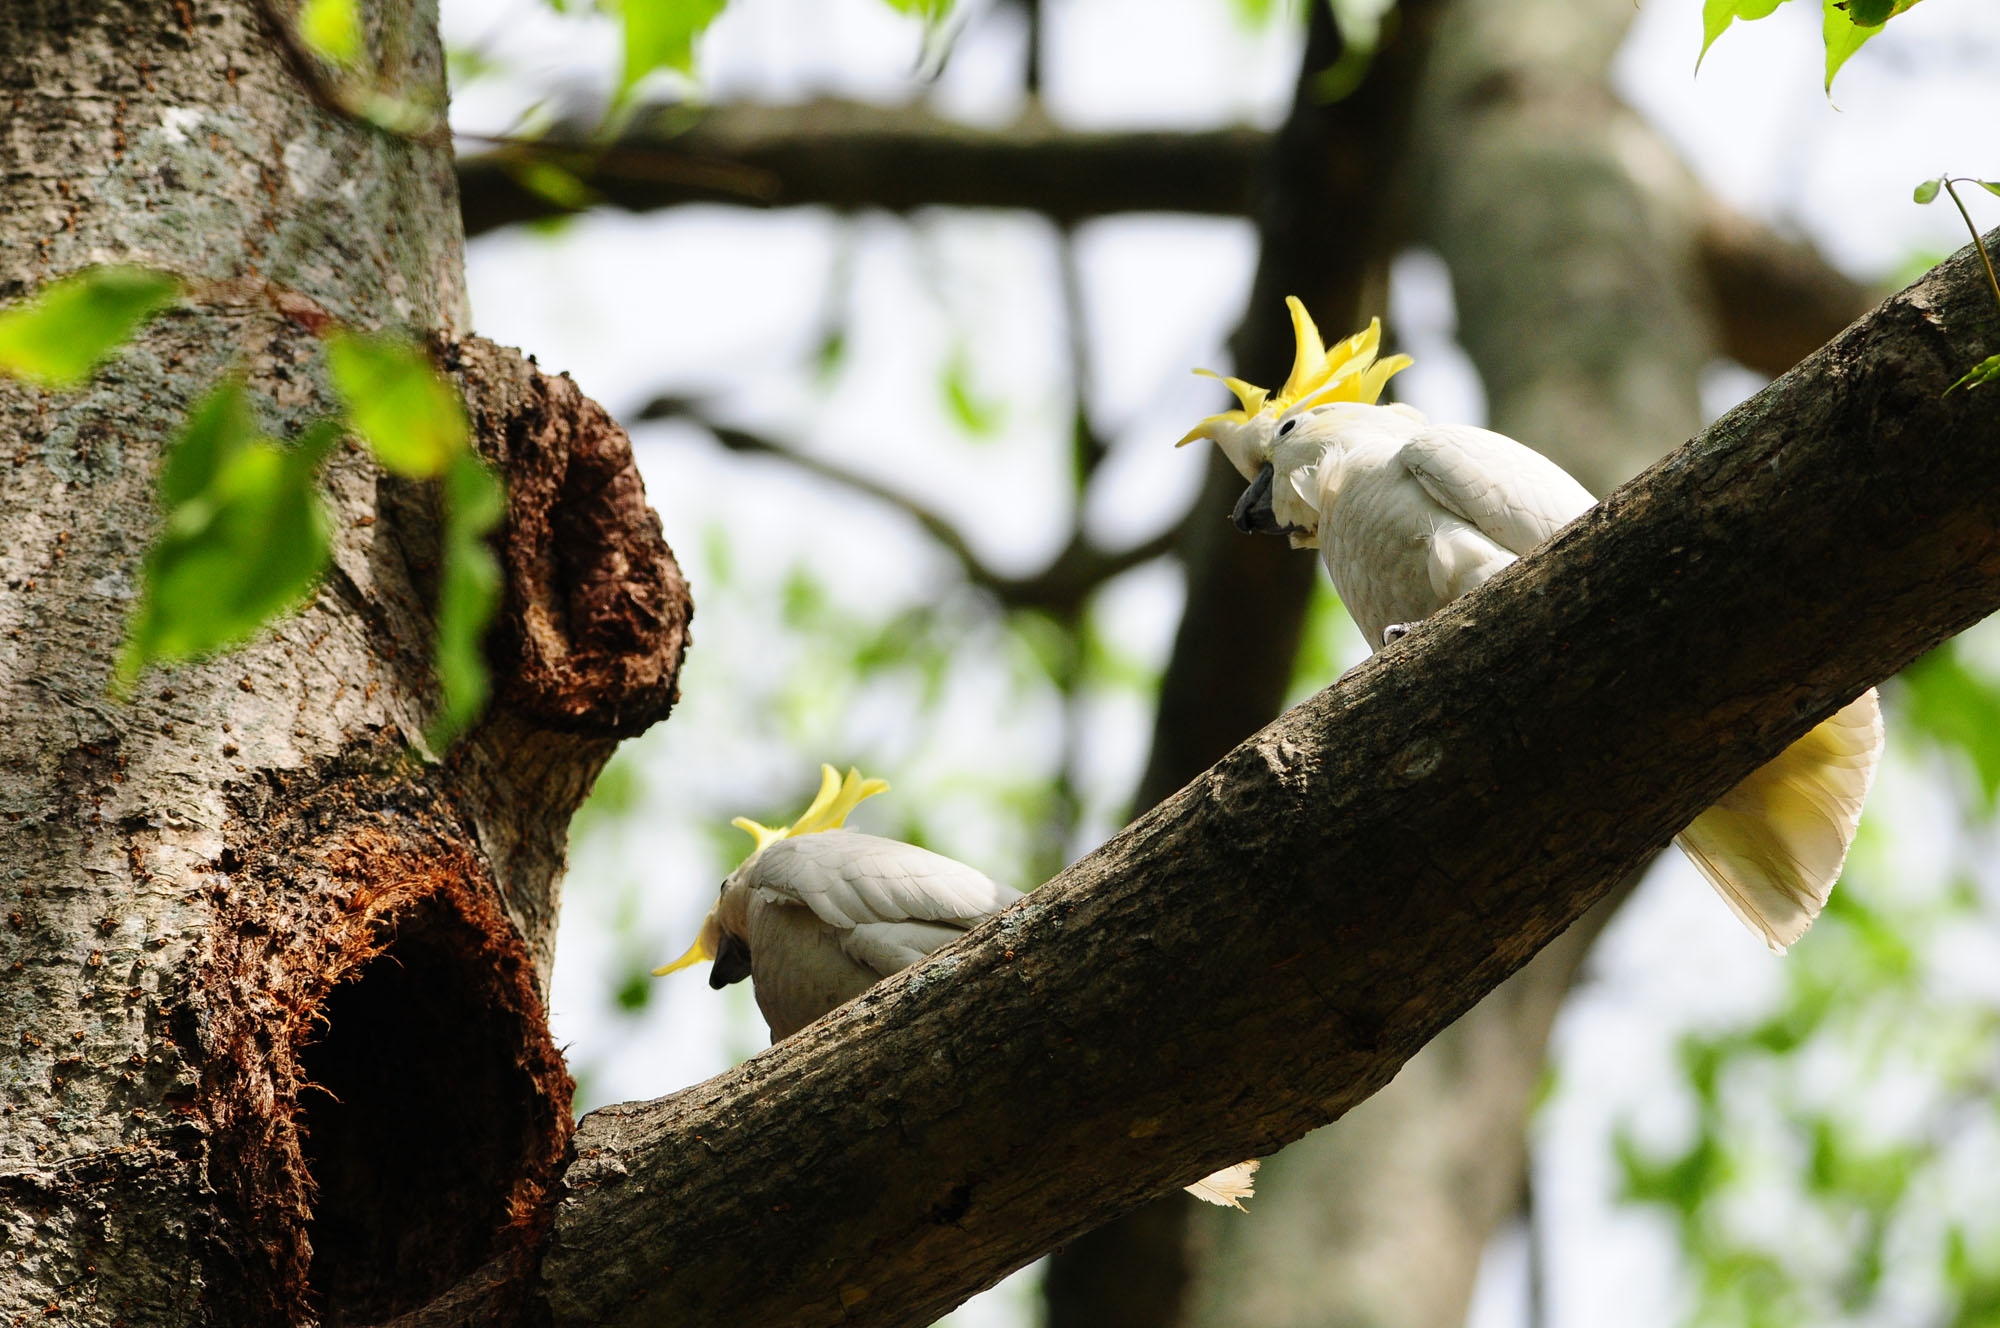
(1842, 1159)
(899, 301)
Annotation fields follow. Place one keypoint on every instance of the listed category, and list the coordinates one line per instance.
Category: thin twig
(1978, 242)
(1060, 588)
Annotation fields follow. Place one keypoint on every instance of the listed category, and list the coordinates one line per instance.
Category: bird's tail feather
(1228, 1187)
(1774, 845)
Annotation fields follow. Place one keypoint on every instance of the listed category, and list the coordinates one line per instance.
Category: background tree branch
(1286, 931)
(1059, 588)
(850, 155)
(1776, 298)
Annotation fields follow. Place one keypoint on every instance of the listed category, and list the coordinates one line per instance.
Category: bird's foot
(1395, 632)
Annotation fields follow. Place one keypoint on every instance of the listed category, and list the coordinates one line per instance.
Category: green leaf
(406, 411)
(1049, 647)
(1717, 15)
(1341, 79)
(220, 426)
(245, 537)
(830, 354)
(475, 502)
(978, 417)
(552, 183)
(64, 333)
(1682, 1184)
(632, 994)
(928, 10)
(332, 28)
(1990, 186)
(469, 64)
(660, 34)
(1870, 13)
(1955, 707)
(1847, 26)
(1927, 192)
(1986, 371)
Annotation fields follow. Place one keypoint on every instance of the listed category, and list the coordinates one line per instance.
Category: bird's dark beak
(732, 962)
(1253, 514)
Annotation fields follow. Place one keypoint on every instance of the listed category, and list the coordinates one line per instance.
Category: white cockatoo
(818, 914)
(1409, 515)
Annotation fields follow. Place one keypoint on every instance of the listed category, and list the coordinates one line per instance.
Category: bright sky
(729, 305)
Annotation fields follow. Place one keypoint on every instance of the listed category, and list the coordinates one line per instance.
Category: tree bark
(272, 1001)
(1591, 350)
(1501, 770)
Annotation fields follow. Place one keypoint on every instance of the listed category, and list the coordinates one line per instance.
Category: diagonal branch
(1266, 947)
(1059, 589)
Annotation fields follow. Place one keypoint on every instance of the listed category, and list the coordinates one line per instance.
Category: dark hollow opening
(417, 1122)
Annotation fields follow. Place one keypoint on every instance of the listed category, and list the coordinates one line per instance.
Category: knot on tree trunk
(595, 622)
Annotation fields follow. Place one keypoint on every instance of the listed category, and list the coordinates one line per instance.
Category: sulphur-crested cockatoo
(1409, 515)
(817, 914)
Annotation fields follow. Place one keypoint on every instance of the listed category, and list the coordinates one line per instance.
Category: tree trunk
(273, 1000)
(1569, 229)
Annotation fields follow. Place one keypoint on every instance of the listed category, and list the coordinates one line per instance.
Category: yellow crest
(1348, 372)
(836, 798)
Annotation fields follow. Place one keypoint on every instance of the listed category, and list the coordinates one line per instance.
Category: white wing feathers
(889, 947)
(1774, 845)
(1228, 1187)
(1515, 496)
(851, 880)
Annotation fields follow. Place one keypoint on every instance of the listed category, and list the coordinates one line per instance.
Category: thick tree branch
(1265, 948)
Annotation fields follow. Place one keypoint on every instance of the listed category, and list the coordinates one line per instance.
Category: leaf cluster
(244, 534)
(661, 34)
(1833, 1175)
(1846, 25)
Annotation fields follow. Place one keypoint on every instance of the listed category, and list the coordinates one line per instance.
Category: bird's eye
(1286, 427)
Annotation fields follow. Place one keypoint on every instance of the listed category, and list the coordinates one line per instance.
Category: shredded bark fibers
(595, 620)
(385, 1105)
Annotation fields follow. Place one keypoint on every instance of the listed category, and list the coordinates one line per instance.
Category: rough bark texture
(1537, 739)
(596, 619)
(271, 1008)
(1579, 300)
